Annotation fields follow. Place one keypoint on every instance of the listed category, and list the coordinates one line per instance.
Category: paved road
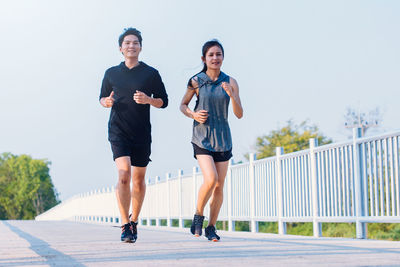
(31, 243)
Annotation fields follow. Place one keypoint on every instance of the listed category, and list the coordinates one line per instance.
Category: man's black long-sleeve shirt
(129, 121)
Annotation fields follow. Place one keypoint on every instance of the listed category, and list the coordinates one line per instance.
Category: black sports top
(129, 121)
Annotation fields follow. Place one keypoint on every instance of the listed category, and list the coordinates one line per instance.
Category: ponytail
(189, 84)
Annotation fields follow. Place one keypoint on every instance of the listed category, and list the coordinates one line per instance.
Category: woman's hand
(200, 116)
(228, 88)
(232, 89)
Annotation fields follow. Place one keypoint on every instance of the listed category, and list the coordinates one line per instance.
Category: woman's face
(213, 58)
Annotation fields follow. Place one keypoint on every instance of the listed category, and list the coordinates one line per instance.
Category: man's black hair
(130, 31)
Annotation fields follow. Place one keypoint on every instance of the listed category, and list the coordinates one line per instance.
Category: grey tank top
(213, 135)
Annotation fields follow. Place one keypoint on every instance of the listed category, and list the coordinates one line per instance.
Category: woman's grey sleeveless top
(214, 134)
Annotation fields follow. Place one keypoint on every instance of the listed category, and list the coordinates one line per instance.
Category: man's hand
(108, 101)
(141, 98)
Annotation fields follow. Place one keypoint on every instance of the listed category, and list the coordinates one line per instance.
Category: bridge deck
(35, 243)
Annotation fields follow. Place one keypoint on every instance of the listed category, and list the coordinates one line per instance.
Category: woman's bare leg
(210, 177)
(218, 193)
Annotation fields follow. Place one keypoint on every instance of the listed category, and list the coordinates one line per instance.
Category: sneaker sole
(129, 241)
(213, 240)
(196, 235)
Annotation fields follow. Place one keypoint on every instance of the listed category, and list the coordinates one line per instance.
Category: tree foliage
(26, 189)
(291, 137)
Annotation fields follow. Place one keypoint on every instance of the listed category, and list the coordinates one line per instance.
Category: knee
(138, 184)
(124, 177)
(219, 189)
(211, 182)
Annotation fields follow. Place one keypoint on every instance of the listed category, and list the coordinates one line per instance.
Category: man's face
(130, 47)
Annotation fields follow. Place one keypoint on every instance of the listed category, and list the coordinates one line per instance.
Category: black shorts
(139, 154)
(217, 156)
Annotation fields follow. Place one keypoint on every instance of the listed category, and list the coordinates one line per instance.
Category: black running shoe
(211, 233)
(127, 235)
(134, 231)
(197, 225)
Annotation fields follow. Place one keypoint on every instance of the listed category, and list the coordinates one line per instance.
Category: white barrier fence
(355, 181)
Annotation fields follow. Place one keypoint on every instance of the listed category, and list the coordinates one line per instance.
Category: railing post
(281, 223)
(361, 228)
(231, 223)
(148, 207)
(157, 197)
(194, 177)
(314, 189)
(167, 178)
(253, 222)
(180, 173)
(115, 209)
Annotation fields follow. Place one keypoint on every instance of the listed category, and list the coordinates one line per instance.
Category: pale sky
(292, 59)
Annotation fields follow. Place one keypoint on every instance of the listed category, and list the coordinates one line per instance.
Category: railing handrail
(353, 181)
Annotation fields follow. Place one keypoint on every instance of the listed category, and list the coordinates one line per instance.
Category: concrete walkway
(32, 243)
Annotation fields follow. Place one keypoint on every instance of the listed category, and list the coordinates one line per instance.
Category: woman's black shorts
(139, 154)
(217, 156)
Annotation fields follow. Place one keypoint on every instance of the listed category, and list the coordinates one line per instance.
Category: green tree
(26, 189)
(291, 137)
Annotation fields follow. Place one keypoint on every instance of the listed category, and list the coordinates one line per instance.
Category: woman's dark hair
(130, 31)
(204, 50)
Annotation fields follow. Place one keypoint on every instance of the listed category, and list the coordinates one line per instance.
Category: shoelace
(213, 231)
(125, 226)
(198, 220)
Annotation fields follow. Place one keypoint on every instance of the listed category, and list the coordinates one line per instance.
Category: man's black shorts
(139, 154)
(217, 156)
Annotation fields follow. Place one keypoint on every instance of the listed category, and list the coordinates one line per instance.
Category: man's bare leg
(123, 189)
(138, 191)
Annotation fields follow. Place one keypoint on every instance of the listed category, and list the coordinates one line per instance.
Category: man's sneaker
(211, 233)
(134, 231)
(197, 225)
(126, 235)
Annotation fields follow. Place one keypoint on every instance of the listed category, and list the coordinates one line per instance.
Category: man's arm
(106, 93)
(159, 92)
(142, 98)
(160, 97)
(108, 101)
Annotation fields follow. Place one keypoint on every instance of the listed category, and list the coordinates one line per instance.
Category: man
(129, 89)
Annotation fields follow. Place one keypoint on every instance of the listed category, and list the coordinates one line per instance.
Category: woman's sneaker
(197, 225)
(134, 231)
(211, 233)
(127, 235)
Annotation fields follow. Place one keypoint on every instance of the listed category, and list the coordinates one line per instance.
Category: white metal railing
(355, 181)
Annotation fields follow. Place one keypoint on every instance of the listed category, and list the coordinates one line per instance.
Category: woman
(212, 142)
